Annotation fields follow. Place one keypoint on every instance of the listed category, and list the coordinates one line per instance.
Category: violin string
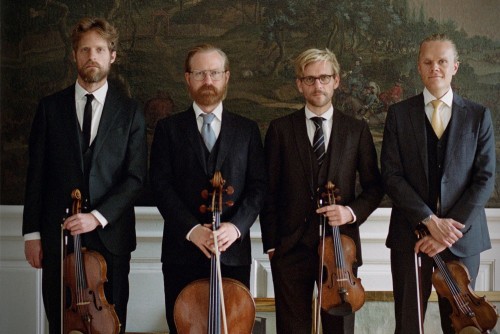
(454, 289)
(338, 256)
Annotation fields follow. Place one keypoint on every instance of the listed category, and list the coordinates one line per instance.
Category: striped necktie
(318, 139)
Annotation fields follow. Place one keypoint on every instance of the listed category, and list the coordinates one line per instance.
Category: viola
(84, 275)
(339, 291)
(215, 305)
(470, 313)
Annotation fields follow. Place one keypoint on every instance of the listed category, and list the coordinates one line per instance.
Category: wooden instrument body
(469, 310)
(340, 291)
(85, 308)
(240, 312)
(340, 286)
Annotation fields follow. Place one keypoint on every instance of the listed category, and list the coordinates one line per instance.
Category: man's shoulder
(463, 102)
(176, 118)
(68, 91)
(407, 104)
(286, 120)
(237, 119)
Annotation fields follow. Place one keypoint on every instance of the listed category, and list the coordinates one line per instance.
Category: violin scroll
(218, 189)
(330, 195)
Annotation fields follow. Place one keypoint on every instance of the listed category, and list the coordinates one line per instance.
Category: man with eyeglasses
(304, 150)
(187, 149)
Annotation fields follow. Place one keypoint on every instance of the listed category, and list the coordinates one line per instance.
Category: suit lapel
(71, 125)
(193, 135)
(455, 129)
(226, 135)
(110, 112)
(304, 147)
(336, 144)
(417, 119)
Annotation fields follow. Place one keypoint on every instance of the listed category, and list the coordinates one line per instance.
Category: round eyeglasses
(201, 75)
(323, 79)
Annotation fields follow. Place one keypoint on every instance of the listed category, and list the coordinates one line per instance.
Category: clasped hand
(444, 232)
(203, 237)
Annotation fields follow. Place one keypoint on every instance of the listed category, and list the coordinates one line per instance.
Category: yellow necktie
(437, 123)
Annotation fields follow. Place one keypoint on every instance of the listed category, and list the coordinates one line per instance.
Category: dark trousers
(405, 289)
(176, 277)
(116, 289)
(294, 276)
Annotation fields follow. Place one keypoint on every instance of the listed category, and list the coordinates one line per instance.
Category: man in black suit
(438, 165)
(297, 173)
(97, 144)
(185, 153)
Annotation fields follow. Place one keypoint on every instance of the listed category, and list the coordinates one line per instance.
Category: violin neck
(79, 265)
(337, 245)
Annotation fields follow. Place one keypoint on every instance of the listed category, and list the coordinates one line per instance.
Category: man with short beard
(90, 137)
(185, 153)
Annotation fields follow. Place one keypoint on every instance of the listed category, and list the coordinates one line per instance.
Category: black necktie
(87, 120)
(318, 139)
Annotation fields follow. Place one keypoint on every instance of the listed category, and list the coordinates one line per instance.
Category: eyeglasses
(201, 75)
(323, 79)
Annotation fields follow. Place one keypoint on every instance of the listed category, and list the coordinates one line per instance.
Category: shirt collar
(446, 98)
(327, 115)
(217, 111)
(99, 95)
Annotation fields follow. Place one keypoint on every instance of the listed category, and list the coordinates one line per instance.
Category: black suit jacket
(292, 190)
(117, 175)
(468, 172)
(179, 173)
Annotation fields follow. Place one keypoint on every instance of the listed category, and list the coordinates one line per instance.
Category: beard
(208, 95)
(319, 101)
(93, 74)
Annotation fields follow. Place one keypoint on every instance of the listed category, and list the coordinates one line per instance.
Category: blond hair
(314, 55)
(440, 38)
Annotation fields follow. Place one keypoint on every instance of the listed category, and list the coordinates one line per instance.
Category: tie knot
(436, 104)
(208, 118)
(318, 121)
(90, 97)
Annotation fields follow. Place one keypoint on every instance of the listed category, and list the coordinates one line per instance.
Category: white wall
(21, 309)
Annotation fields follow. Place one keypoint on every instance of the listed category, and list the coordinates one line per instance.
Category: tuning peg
(204, 208)
(229, 190)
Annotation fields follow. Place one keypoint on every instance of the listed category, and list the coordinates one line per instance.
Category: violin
(215, 305)
(470, 313)
(84, 275)
(339, 291)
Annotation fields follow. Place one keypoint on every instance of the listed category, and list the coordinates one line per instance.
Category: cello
(470, 313)
(84, 275)
(215, 305)
(339, 292)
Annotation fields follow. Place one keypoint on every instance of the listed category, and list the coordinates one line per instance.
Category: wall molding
(146, 303)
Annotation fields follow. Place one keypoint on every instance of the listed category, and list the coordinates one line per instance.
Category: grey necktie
(207, 132)
(319, 139)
